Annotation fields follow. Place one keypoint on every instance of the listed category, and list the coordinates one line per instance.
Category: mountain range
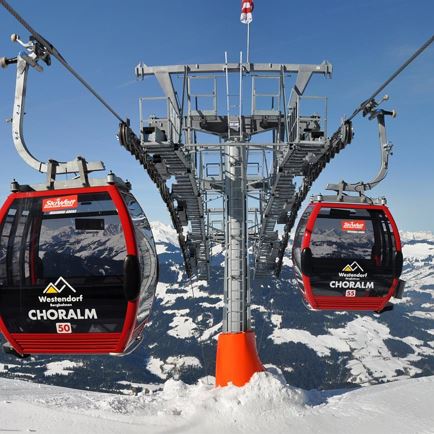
(312, 350)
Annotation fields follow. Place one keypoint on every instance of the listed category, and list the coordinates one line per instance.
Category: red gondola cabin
(78, 271)
(347, 256)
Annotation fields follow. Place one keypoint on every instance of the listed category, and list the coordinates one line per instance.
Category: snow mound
(265, 404)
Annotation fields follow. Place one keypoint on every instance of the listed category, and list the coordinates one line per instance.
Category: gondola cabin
(347, 256)
(78, 271)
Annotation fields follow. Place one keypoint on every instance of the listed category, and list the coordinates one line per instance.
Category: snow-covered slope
(266, 404)
(313, 350)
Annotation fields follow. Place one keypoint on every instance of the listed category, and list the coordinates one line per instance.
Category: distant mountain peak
(164, 233)
(417, 236)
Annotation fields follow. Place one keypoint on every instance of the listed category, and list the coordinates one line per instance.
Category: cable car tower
(228, 187)
(233, 155)
(242, 153)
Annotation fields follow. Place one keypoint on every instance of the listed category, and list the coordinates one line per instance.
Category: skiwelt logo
(353, 225)
(59, 203)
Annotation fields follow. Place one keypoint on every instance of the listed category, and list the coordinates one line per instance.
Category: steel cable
(393, 76)
(54, 52)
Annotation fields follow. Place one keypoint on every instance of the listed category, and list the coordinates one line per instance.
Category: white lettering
(351, 284)
(72, 314)
(55, 204)
(91, 314)
(55, 299)
(359, 275)
(41, 314)
(52, 314)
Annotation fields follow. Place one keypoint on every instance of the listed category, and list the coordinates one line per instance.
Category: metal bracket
(385, 147)
(342, 197)
(29, 57)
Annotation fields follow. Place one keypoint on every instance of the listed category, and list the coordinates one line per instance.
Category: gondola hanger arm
(29, 57)
(369, 108)
(45, 50)
(373, 112)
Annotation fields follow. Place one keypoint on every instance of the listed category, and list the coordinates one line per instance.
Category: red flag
(246, 11)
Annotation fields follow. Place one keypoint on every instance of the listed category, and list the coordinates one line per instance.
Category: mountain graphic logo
(352, 268)
(60, 285)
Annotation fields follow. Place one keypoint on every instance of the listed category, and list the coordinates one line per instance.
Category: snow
(64, 367)
(183, 327)
(265, 404)
(161, 248)
(371, 351)
(276, 320)
(364, 338)
(422, 314)
(5, 368)
(416, 236)
(206, 305)
(164, 236)
(217, 250)
(419, 278)
(258, 307)
(155, 366)
(193, 290)
(321, 344)
(418, 248)
(138, 386)
(164, 233)
(287, 262)
(171, 366)
(211, 332)
(417, 251)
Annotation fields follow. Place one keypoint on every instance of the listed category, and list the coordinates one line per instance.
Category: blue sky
(365, 41)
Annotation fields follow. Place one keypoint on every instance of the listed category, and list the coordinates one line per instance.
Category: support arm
(385, 149)
(17, 127)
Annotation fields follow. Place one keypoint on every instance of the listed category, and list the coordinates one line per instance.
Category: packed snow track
(266, 404)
